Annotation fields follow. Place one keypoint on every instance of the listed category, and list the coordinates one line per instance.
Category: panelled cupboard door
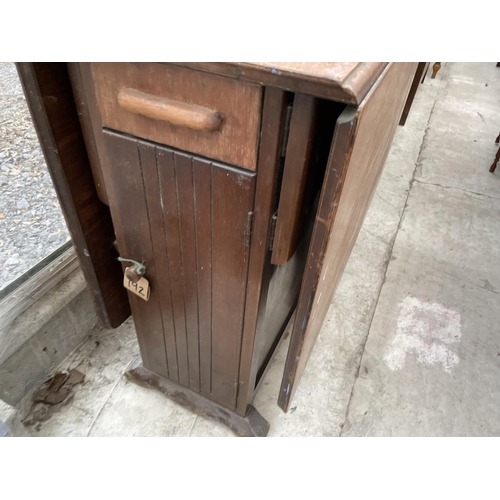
(187, 219)
(360, 146)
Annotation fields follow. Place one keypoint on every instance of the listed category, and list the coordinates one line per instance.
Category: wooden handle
(174, 112)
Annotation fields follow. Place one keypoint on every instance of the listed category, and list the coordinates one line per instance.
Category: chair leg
(497, 158)
(497, 140)
(435, 68)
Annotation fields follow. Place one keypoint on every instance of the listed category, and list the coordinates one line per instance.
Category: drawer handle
(174, 112)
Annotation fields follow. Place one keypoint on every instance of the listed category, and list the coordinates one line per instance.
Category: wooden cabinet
(241, 187)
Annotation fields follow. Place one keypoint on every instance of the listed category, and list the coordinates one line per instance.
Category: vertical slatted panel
(187, 218)
(232, 200)
(202, 180)
(185, 202)
(154, 203)
(133, 234)
(168, 190)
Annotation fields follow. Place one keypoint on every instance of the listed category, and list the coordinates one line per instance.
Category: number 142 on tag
(140, 288)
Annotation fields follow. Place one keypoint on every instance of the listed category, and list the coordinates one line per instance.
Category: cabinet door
(187, 219)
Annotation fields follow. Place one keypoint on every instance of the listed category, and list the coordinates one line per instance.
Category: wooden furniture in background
(435, 68)
(497, 156)
(497, 140)
(240, 186)
(419, 78)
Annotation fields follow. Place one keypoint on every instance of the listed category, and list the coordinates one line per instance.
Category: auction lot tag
(140, 288)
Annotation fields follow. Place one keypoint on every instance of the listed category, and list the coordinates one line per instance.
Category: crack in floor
(457, 189)
(106, 399)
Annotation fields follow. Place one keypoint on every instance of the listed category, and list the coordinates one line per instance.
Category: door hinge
(272, 230)
(286, 131)
(249, 228)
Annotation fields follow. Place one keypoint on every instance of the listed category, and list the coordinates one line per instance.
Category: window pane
(31, 222)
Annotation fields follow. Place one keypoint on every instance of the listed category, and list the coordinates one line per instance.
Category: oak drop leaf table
(240, 187)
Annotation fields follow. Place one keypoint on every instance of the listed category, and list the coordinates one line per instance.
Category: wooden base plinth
(252, 425)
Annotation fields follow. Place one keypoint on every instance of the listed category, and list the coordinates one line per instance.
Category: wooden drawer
(210, 115)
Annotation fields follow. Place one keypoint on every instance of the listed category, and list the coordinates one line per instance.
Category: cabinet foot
(252, 425)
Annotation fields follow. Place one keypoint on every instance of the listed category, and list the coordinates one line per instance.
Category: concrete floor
(411, 344)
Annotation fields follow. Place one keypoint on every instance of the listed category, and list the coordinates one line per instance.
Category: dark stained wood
(419, 77)
(273, 119)
(496, 160)
(346, 82)
(131, 221)
(280, 285)
(171, 227)
(205, 214)
(425, 72)
(238, 103)
(232, 203)
(90, 123)
(202, 180)
(332, 186)
(151, 180)
(186, 218)
(208, 304)
(218, 306)
(250, 425)
(278, 303)
(361, 143)
(189, 251)
(50, 100)
(299, 155)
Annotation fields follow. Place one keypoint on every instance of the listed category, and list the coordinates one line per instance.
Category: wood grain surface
(176, 113)
(346, 82)
(419, 77)
(273, 120)
(232, 202)
(238, 103)
(127, 201)
(360, 147)
(298, 161)
(90, 124)
(52, 105)
(186, 218)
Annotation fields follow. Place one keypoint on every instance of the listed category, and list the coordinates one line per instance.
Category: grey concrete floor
(411, 344)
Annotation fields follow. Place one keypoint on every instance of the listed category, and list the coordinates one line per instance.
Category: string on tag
(141, 268)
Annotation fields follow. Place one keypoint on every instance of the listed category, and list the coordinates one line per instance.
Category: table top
(346, 82)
